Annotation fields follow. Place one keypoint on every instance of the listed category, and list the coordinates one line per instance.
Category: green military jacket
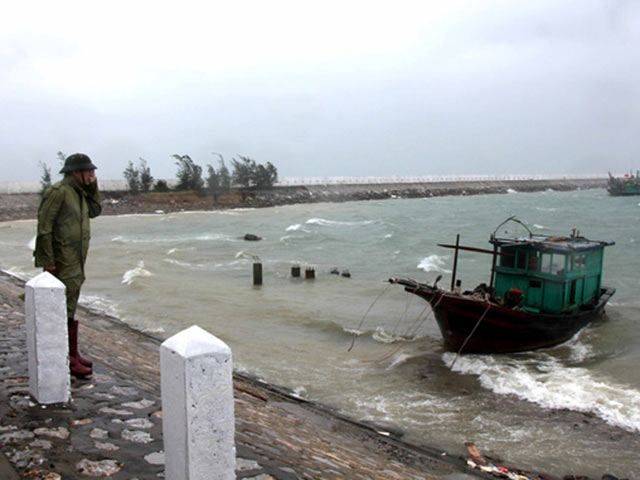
(63, 227)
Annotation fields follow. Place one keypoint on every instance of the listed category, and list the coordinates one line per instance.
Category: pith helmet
(77, 161)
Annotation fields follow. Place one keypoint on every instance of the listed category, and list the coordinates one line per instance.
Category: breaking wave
(384, 336)
(433, 263)
(295, 228)
(207, 237)
(178, 263)
(18, 273)
(543, 380)
(139, 272)
(331, 223)
(379, 334)
(100, 304)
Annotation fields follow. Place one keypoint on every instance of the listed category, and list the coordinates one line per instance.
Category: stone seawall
(17, 206)
(381, 191)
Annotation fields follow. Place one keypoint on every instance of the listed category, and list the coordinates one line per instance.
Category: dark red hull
(500, 329)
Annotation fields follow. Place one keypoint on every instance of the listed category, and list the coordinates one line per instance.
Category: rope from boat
(398, 347)
(353, 340)
(416, 325)
(469, 336)
(404, 315)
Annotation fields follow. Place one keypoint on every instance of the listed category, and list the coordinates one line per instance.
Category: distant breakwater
(18, 206)
(381, 191)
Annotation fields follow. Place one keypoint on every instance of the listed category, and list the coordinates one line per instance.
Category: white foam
(300, 392)
(399, 359)
(207, 237)
(433, 263)
(383, 336)
(353, 331)
(244, 254)
(100, 304)
(579, 351)
(330, 223)
(544, 380)
(154, 330)
(139, 272)
(193, 266)
(511, 190)
(19, 273)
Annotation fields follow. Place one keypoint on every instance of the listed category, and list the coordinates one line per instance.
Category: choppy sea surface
(572, 409)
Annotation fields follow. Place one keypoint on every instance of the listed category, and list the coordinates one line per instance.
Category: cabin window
(509, 257)
(580, 262)
(535, 283)
(558, 262)
(522, 259)
(534, 261)
(553, 263)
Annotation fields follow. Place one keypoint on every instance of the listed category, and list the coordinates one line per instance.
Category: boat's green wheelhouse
(554, 274)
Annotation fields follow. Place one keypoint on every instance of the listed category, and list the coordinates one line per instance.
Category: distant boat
(627, 185)
(542, 291)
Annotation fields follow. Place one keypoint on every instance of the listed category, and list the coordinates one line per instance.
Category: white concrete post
(198, 422)
(47, 340)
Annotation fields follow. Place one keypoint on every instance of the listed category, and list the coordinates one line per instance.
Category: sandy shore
(21, 206)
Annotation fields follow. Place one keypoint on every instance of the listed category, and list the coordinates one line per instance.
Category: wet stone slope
(113, 426)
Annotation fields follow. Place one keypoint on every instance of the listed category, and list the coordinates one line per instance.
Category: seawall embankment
(18, 206)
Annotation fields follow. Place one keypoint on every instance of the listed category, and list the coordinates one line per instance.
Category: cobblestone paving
(113, 426)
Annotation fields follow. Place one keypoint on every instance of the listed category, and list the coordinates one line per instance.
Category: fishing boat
(627, 185)
(542, 290)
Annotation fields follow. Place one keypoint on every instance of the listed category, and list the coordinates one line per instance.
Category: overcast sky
(331, 88)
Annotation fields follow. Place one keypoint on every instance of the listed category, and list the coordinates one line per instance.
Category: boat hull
(623, 186)
(477, 326)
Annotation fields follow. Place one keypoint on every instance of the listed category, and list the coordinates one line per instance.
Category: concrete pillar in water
(309, 273)
(295, 271)
(47, 339)
(257, 273)
(198, 421)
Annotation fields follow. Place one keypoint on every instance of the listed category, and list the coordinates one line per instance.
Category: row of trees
(139, 179)
(246, 173)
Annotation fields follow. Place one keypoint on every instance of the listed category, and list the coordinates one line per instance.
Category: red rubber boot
(73, 324)
(75, 367)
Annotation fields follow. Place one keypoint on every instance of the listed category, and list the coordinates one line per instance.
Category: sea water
(366, 347)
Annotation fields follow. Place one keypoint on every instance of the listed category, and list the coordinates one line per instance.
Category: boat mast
(455, 262)
(493, 263)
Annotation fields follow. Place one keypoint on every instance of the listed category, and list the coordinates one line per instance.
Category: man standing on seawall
(63, 239)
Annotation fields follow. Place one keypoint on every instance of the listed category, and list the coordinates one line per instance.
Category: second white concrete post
(197, 407)
(47, 339)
